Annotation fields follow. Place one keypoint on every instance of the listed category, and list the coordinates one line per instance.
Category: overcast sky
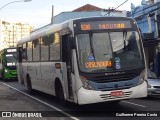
(38, 12)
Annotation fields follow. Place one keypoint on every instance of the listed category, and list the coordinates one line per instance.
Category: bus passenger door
(19, 65)
(67, 57)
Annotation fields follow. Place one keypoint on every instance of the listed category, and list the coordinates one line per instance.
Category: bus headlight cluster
(142, 77)
(6, 71)
(86, 83)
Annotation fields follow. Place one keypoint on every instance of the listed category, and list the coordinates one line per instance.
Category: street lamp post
(14, 2)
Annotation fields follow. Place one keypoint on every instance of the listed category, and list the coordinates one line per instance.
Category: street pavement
(19, 105)
(99, 111)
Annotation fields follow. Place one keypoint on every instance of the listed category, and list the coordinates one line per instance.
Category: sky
(38, 12)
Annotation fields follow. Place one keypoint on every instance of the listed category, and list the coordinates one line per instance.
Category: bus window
(101, 44)
(45, 48)
(29, 51)
(36, 50)
(55, 47)
(127, 49)
(84, 47)
(108, 51)
(24, 53)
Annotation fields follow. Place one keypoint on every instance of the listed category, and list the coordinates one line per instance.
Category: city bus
(85, 60)
(8, 60)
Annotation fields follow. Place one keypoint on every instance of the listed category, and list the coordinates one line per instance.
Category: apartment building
(11, 32)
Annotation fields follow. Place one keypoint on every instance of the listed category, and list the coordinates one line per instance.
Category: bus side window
(29, 51)
(55, 46)
(24, 54)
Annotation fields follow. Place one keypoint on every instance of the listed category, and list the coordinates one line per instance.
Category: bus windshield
(109, 51)
(11, 59)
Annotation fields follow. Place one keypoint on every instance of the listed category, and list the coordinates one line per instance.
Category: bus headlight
(6, 71)
(142, 77)
(86, 84)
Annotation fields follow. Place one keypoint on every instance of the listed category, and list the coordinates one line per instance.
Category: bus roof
(57, 27)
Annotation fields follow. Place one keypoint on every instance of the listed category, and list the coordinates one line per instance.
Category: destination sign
(11, 50)
(98, 64)
(100, 25)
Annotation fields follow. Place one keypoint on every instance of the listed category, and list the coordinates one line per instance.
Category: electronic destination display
(100, 25)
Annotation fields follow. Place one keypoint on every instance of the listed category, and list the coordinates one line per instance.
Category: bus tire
(29, 86)
(60, 94)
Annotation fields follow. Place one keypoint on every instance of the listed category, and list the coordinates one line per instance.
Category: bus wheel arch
(29, 84)
(59, 92)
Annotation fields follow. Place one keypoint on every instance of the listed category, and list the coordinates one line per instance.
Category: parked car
(153, 84)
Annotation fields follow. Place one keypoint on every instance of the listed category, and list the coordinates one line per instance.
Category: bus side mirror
(72, 43)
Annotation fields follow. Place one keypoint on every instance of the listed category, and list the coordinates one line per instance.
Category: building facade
(11, 32)
(86, 11)
(147, 16)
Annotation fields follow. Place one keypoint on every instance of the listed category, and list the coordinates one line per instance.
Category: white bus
(85, 60)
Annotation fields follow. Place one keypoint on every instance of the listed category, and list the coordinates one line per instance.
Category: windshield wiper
(124, 39)
(91, 43)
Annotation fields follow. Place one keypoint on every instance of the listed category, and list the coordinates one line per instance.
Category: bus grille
(114, 78)
(108, 96)
(13, 73)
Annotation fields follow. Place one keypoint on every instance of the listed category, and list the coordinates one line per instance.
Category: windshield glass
(109, 51)
(11, 59)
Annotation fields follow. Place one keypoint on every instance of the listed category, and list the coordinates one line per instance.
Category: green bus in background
(8, 60)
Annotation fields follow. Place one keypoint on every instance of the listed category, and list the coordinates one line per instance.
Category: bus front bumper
(10, 75)
(90, 96)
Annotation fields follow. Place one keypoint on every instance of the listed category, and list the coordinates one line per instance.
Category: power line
(121, 4)
(116, 7)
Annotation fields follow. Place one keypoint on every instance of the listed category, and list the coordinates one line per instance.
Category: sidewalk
(12, 101)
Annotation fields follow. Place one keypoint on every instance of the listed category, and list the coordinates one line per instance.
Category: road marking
(134, 104)
(43, 102)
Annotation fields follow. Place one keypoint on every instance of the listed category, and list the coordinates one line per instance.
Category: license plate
(116, 93)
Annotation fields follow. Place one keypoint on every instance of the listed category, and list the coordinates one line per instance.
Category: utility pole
(52, 14)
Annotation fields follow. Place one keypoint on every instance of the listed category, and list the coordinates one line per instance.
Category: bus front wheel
(60, 95)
